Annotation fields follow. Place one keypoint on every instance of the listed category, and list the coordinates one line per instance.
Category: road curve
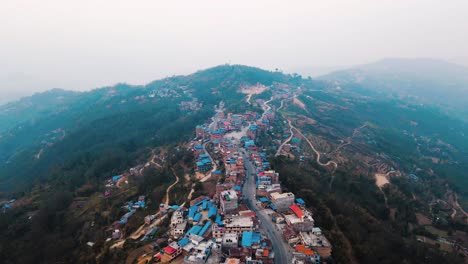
(168, 190)
(278, 152)
(335, 165)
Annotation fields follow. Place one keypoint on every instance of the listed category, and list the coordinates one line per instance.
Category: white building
(229, 201)
(282, 201)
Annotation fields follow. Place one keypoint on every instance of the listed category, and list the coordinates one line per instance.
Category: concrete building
(199, 254)
(177, 218)
(171, 252)
(282, 201)
(229, 201)
(230, 240)
(238, 224)
(317, 241)
(217, 231)
(301, 219)
(179, 229)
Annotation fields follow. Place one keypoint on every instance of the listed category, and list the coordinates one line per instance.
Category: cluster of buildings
(209, 230)
(220, 228)
(193, 105)
(289, 214)
(111, 183)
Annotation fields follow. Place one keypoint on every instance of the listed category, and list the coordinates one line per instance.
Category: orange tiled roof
(297, 210)
(305, 250)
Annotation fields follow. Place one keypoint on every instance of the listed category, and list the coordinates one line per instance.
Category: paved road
(280, 248)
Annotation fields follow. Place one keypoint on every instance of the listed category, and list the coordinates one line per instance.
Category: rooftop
(277, 195)
(229, 195)
(238, 221)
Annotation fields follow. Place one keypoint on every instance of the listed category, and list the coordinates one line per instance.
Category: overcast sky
(85, 44)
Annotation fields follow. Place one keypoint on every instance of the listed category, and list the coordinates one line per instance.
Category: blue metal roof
(247, 238)
(300, 201)
(219, 221)
(192, 211)
(200, 202)
(272, 206)
(194, 230)
(175, 207)
(116, 177)
(205, 228)
(250, 237)
(197, 217)
(264, 200)
(183, 242)
(256, 237)
(212, 211)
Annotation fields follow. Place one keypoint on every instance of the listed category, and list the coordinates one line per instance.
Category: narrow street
(281, 249)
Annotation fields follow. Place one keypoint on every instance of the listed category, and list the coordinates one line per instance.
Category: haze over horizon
(89, 44)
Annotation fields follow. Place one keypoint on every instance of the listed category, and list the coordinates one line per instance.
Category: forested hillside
(60, 149)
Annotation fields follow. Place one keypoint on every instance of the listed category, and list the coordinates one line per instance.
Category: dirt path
(349, 140)
(278, 152)
(153, 156)
(168, 190)
(317, 153)
(249, 96)
(452, 200)
(266, 107)
(140, 231)
(281, 106)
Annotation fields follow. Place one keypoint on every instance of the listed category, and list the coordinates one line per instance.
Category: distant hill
(428, 81)
(65, 126)
(57, 149)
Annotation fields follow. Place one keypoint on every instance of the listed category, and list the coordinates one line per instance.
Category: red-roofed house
(298, 211)
(171, 252)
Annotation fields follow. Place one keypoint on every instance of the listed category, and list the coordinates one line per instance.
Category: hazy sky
(85, 44)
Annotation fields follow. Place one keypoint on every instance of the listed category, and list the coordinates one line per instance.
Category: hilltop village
(246, 218)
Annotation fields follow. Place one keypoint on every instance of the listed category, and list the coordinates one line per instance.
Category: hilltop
(368, 164)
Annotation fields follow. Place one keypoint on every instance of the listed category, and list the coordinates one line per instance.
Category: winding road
(278, 152)
(266, 107)
(330, 162)
(280, 248)
(168, 190)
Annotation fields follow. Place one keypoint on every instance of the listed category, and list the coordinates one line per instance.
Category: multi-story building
(177, 218)
(171, 252)
(230, 240)
(282, 201)
(317, 241)
(229, 201)
(301, 220)
(179, 229)
(238, 224)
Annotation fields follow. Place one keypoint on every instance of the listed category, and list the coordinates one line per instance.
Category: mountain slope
(62, 156)
(425, 81)
(61, 126)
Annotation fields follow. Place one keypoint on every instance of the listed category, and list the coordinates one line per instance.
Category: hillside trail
(317, 153)
(278, 152)
(168, 190)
